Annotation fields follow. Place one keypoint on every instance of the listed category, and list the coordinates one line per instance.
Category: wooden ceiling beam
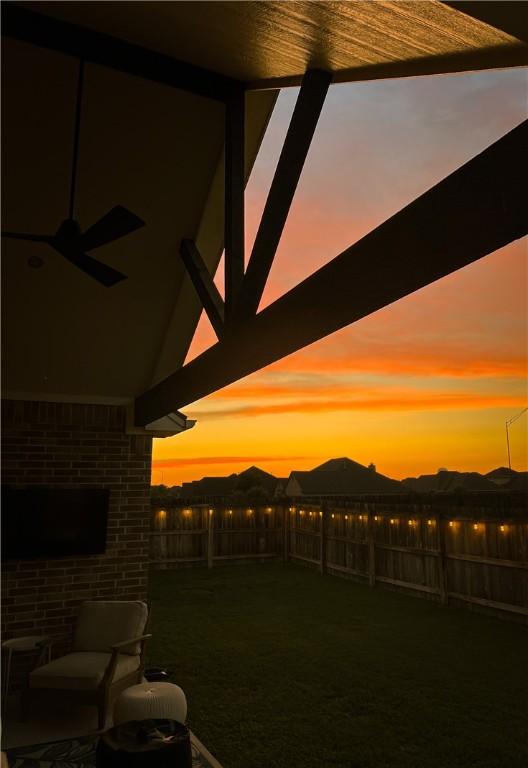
(287, 174)
(497, 57)
(98, 48)
(235, 181)
(204, 285)
(474, 211)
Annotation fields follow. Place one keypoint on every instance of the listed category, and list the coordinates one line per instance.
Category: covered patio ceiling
(164, 86)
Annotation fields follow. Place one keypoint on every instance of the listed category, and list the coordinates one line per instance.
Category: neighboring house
(280, 488)
(340, 477)
(446, 480)
(519, 482)
(209, 487)
(503, 476)
(250, 480)
(253, 477)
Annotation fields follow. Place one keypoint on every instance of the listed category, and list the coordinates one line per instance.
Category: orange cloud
(404, 401)
(413, 362)
(200, 460)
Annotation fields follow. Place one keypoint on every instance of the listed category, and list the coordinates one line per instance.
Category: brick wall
(70, 445)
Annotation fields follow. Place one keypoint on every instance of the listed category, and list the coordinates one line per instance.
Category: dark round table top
(154, 742)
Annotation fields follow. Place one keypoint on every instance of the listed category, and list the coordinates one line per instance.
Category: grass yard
(284, 668)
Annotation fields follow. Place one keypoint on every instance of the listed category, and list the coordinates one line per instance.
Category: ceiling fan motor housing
(69, 230)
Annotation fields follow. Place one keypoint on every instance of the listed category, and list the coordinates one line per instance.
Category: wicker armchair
(107, 657)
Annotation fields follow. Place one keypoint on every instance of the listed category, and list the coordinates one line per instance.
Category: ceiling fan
(69, 241)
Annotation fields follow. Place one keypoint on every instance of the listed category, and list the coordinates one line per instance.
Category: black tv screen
(53, 522)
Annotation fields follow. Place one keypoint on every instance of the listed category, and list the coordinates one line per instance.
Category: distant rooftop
(340, 477)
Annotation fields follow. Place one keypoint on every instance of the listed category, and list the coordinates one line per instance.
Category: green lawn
(282, 667)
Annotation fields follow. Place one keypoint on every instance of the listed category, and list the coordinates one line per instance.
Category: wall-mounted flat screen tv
(53, 522)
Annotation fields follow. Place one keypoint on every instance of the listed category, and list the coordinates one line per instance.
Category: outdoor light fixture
(346, 517)
(35, 262)
(333, 517)
(503, 528)
(229, 511)
(429, 522)
(210, 511)
(376, 518)
(162, 514)
(476, 527)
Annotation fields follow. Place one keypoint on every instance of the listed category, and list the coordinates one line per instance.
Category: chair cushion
(80, 671)
(103, 623)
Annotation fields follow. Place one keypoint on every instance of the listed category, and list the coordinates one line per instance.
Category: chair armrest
(124, 643)
(115, 649)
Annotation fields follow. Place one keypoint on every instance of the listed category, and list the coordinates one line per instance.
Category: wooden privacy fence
(448, 555)
(205, 534)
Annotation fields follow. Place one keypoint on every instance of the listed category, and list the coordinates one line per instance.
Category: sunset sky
(424, 383)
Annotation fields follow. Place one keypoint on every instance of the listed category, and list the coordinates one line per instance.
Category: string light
(392, 521)
(346, 517)
(292, 509)
(250, 511)
(429, 522)
(311, 514)
(360, 517)
(503, 528)
(451, 524)
(376, 518)
(301, 511)
(411, 522)
(475, 526)
(210, 511)
(333, 516)
(320, 514)
(229, 511)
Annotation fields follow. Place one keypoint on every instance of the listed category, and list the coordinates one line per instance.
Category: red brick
(71, 445)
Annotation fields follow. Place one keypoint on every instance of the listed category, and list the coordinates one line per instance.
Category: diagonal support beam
(234, 199)
(96, 47)
(204, 285)
(296, 145)
(476, 210)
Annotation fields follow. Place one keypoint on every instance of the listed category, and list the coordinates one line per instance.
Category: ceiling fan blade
(115, 224)
(104, 274)
(23, 236)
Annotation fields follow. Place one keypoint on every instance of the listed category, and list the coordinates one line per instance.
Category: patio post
(285, 532)
(442, 565)
(323, 539)
(371, 549)
(210, 540)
